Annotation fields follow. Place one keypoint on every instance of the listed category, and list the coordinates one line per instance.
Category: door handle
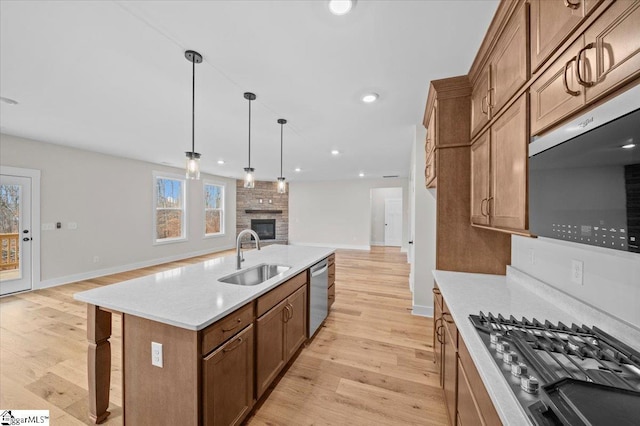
(564, 79)
(27, 239)
(578, 62)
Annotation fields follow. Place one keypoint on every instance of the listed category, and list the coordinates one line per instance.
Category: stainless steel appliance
(564, 375)
(318, 295)
(584, 177)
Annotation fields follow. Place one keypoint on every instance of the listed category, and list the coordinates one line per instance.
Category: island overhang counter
(188, 303)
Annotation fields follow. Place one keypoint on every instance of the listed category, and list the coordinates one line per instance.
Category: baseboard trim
(423, 311)
(53, 282)
(336, 246)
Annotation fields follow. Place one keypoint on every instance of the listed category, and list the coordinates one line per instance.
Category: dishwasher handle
(322, 268)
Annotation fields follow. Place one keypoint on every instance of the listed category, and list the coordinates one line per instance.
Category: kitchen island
(189, 324)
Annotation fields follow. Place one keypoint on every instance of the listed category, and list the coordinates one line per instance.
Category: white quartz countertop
(519, 295)
(191, 296)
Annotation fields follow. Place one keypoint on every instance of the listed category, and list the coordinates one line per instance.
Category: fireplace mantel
(251, 211)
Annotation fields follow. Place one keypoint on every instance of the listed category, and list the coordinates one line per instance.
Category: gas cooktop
(564, 375)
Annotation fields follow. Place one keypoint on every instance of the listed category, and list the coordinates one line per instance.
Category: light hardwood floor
(372, 362)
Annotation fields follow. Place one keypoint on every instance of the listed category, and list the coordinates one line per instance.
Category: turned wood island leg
(98, 362)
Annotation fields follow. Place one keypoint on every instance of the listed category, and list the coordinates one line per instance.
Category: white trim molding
(423, 311)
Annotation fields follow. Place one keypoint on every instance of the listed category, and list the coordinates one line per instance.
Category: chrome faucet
(239, 256)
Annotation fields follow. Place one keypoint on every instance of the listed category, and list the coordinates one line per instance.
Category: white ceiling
(111, 76)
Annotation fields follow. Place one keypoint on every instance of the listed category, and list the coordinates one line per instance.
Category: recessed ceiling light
(340, 7)
(361, 174)
(8, 101)
(220, 161)
(629, 145)
(298, 169)
(335, 152)
(370, 97)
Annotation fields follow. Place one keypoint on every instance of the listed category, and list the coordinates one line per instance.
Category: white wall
(423, 223)
(611, 279)
(337, 213)
(110, 199)
(378, 197)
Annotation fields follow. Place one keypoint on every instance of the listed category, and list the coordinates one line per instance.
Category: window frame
(222, 209)
(183, 183)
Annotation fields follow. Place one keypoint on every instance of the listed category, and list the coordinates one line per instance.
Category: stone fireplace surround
(273, 206)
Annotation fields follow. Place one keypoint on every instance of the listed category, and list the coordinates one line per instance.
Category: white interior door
(392, 222)
(15, 234)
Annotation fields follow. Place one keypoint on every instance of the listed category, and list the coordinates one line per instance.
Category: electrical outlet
(576, 271)
(156, 354)
(532, 257)
(48, 227)
(72, 225)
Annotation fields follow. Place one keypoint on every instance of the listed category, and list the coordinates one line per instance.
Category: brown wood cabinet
(280, 333)
(466, 398)
(603, 58)
(611, 55)
(556, 94)
(228, 381)
(504, 205)
(509, 62)
(506, 71)
(552, 21)
(449, 337)
(480, 110)
(430, 170)
(448, 109)
(437, 330)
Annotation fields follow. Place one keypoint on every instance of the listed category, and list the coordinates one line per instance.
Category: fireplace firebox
(265, 228)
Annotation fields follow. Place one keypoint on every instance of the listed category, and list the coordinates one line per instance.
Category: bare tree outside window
(9, 226)
(169, 208)
(213, 209)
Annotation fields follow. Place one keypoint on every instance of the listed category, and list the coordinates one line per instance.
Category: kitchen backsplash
(610, 279)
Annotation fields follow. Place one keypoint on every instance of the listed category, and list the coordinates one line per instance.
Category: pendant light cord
(249, 133)
(281, 130)
(193, 107)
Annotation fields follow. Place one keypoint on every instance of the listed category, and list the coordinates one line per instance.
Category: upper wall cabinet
(603, 58)
(611, 55)
(552, 21)
(507, 71)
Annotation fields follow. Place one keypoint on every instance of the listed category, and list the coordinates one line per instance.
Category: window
(170, 204)
(213, 209)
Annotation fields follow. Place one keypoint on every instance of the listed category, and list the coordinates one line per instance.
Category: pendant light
(193, 158)
(282, 185)
(249, 180)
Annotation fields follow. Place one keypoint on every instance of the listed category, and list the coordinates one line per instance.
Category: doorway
(386, 217)
(16, 233)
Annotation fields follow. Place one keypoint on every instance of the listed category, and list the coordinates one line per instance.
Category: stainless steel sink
(255, 275)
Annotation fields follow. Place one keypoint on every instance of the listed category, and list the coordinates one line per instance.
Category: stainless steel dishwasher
(318, 295)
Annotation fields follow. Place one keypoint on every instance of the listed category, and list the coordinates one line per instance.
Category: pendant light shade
(193, 158)
(249, 180)
(282, 184)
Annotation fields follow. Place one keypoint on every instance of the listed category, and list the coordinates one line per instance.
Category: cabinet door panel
(480, 160)
(615, 56)
(468, 413)
(228, 381)
(550, 97)
(271, 356)
(450, 368)
(509, 142)
(509, 63)
(479, 102)
(552, 21)
(296, 325)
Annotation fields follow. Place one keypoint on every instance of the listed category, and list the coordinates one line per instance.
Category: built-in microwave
(584, 177)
